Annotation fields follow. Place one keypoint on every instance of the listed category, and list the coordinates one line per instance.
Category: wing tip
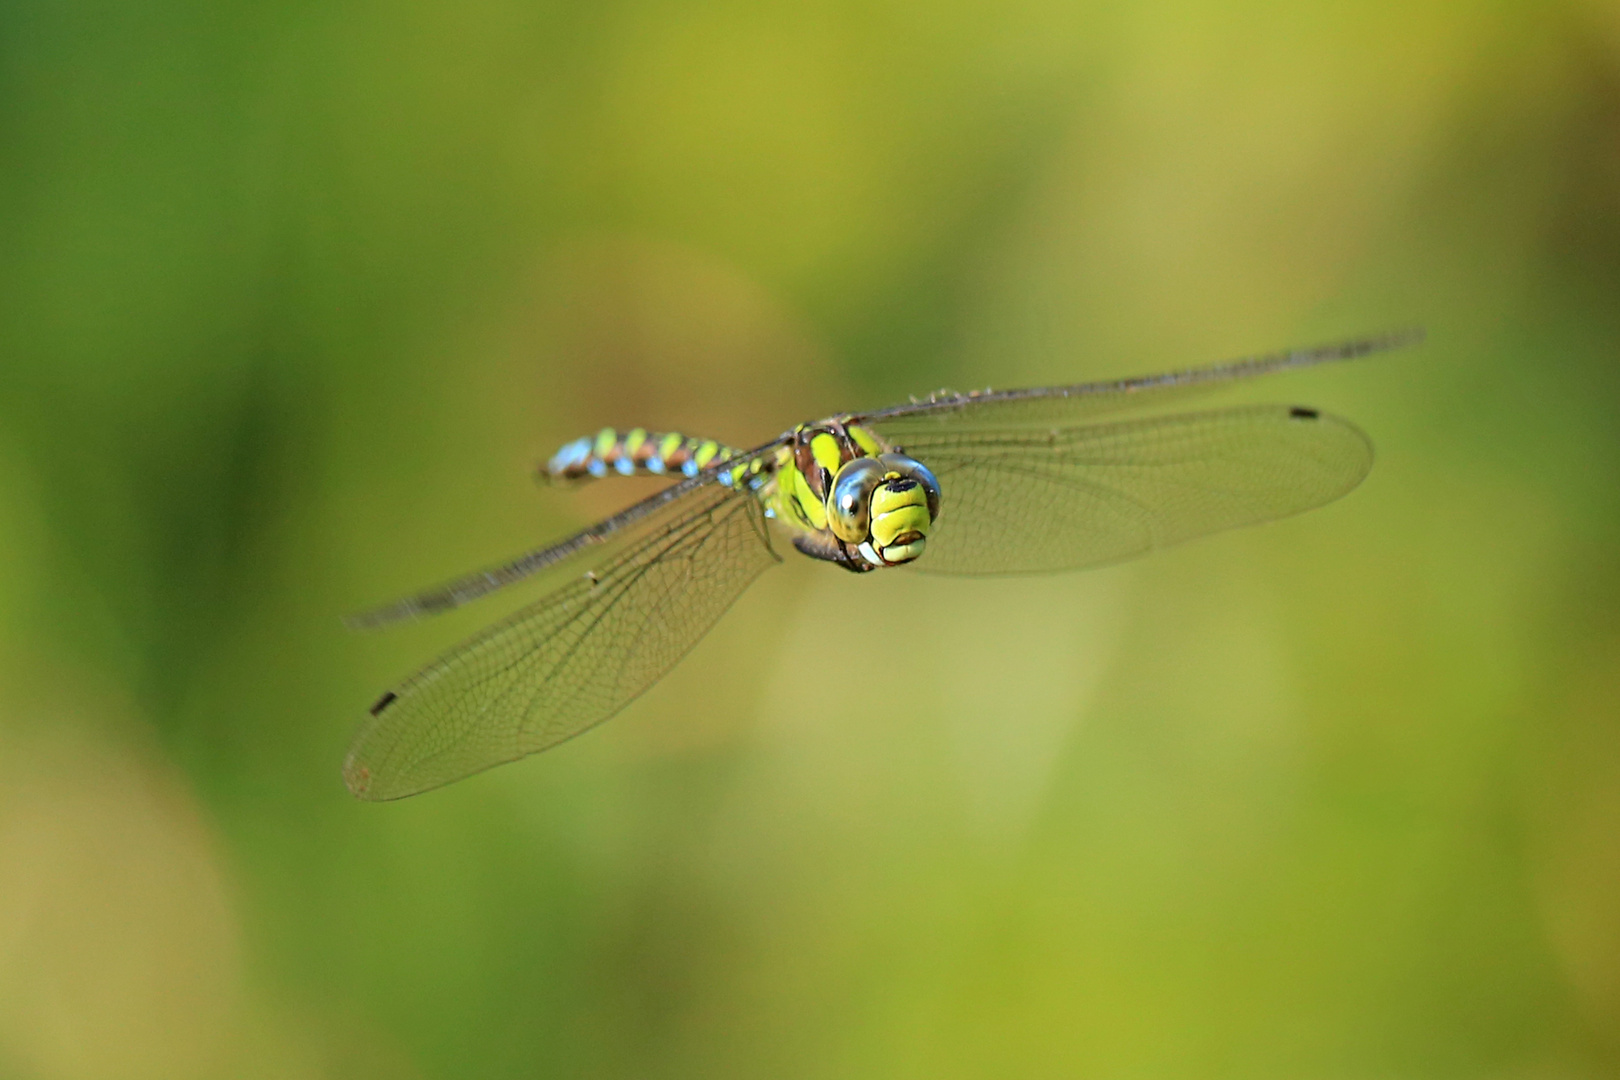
(392, 614)
(1390, 339)
(1406, 335)
(357, 778)
(363, 784)
(357, 772)
(1351, 349)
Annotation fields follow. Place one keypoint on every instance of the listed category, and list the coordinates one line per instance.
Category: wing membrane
(1018, 501)
(573, 658)
(603, 535)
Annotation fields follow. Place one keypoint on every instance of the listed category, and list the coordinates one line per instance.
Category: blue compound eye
(849, 502)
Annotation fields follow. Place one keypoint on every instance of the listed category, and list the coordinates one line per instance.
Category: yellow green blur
(295, 294)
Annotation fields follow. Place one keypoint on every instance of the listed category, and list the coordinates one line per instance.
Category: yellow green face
(884, 506)
(900, 521)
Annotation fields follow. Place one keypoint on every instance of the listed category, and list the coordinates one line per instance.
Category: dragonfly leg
(828, 548)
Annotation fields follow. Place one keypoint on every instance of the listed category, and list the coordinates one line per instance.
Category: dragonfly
(987, 482)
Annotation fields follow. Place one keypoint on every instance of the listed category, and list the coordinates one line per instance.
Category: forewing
(570, 660)
(596, 542)
(1048, 405)
(1018, 501)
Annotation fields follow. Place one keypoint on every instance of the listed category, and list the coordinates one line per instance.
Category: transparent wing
(1016, 501)
(609, 533)
(572, 659)
(1046, 405)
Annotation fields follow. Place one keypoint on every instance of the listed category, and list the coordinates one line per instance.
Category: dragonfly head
(884, 506)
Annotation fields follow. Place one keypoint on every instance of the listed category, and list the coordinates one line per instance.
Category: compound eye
(849, 502)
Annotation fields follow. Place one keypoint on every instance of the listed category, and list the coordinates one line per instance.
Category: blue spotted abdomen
(635, 453)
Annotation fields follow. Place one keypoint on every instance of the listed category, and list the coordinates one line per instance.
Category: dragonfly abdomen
(637, 452)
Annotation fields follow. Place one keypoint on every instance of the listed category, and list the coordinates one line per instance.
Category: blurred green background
(293, 296)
